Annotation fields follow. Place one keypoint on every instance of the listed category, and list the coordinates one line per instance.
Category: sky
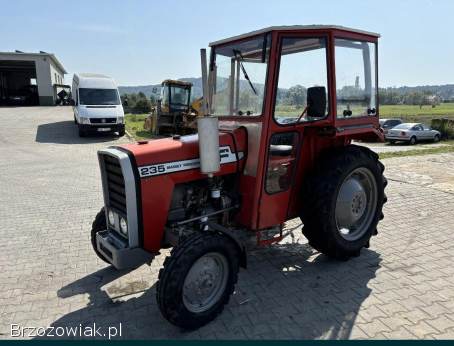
(141, 42)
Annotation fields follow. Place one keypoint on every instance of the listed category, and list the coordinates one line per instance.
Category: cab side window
(303, 79)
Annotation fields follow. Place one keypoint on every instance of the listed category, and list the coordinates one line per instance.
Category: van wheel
(197, 279)
(121, 132)
(99, 224)
(82, 132)
(345, 201)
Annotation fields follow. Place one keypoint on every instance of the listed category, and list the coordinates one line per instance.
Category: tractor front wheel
(197, 280)
(345, 201)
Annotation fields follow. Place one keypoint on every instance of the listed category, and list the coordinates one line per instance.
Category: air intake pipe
(207, 128)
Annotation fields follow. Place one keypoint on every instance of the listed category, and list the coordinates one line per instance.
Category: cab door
(300, 101)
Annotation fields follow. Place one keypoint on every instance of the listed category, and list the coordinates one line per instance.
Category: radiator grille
(103, 120)
(115, 184)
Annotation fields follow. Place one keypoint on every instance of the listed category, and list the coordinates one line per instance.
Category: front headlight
(123, 227)
(84, 120)
(120, 120)
(111, 218)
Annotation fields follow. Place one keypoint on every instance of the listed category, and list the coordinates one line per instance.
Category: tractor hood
(172, 155)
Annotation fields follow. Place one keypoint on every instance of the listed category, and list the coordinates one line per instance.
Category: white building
(29, 78)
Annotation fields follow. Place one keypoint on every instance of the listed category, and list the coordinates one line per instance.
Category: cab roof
(176, 82)
(94, 80)
(293, 28)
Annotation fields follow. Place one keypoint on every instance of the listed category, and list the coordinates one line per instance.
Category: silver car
(412, 133)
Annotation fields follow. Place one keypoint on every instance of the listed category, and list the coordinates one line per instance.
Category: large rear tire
(197, 280)
(345, 197)
(99, 224)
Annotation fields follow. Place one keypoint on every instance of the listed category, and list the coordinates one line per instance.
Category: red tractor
(282, 106)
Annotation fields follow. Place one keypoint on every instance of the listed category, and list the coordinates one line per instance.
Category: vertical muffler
(208, 130)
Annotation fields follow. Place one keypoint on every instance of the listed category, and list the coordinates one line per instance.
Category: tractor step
(268, 236)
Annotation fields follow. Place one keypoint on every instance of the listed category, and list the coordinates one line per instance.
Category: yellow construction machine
(174, 114)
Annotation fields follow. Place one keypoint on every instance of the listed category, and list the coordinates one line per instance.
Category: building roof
(17, 55)
(292, 27)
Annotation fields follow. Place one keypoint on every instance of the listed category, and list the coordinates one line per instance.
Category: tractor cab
(297, 75)
(175, 96)
(298, 90)
(173, 105)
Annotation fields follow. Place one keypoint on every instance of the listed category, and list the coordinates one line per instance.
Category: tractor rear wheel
(99, 224)
(197, 280)
(345, 202)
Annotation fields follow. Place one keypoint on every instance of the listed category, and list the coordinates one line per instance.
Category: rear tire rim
(205, 282)
(356, 204)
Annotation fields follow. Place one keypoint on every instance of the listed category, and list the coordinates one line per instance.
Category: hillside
(155, 89)
(445, 92)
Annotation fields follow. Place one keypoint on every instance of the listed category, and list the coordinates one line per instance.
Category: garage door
(18, 83)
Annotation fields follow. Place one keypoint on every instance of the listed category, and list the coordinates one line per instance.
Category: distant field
(414, 113)
(406, 112)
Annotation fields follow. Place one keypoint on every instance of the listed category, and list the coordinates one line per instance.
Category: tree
(136, 103)
(296, 96)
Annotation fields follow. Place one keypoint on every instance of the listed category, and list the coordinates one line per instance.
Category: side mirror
(316, 102)
(72, 102)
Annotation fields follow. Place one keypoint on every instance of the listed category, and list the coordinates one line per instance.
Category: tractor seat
(280, 150)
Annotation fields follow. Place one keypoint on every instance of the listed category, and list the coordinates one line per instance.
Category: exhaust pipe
(208, 130)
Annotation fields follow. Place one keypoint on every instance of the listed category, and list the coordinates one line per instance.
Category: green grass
(416, 114)
(134, 125)
(448, 148)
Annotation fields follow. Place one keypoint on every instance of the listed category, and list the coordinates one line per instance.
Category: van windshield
(98, 96)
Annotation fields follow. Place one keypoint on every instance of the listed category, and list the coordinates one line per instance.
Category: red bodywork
(259, 209)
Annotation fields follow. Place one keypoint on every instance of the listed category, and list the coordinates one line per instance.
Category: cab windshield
(98, 97)
(239, 76)
(175, 98)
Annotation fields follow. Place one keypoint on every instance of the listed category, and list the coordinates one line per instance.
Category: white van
(97, 105)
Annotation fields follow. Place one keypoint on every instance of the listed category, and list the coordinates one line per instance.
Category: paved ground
(400, 146)
(402, 287)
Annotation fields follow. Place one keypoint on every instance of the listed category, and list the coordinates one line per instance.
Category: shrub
(445, 126)
(136, 103)
(143, 105)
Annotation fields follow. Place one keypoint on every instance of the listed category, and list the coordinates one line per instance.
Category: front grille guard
(130, 193)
